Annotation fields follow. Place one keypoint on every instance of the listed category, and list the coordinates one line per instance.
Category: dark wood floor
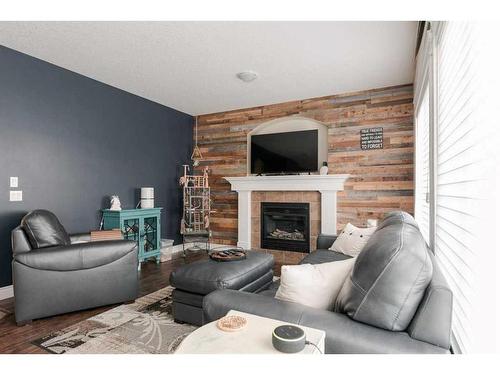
(14, 339)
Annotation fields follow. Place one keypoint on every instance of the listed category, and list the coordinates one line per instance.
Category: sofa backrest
(390, 276)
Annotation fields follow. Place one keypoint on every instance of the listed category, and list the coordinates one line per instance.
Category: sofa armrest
(325, 241)
(79, 237)
(218, 303)
(343, 335)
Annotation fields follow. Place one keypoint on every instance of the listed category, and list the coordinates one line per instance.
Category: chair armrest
(343, 335)
(325, 241)
(78, 256)
(79, 237)
(19, 241)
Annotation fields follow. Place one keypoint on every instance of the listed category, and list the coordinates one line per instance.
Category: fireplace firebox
(285, 226)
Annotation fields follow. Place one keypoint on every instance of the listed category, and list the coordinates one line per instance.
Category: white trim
(330, 182)
(6, 292)
(327, 185)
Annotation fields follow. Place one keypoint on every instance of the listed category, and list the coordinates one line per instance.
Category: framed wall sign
(372, 138)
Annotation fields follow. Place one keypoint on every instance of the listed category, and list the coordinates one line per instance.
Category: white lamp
(147, 197)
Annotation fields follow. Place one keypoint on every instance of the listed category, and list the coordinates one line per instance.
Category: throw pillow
(315, 285)
(352, 240)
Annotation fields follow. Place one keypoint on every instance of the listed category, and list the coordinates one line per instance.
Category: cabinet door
(130, 229)
(150, 234)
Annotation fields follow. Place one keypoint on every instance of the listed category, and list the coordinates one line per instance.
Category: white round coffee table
(254, 338)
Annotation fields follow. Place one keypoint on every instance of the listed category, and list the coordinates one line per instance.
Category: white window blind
(422, 207)
(456, 81)
(458, 171)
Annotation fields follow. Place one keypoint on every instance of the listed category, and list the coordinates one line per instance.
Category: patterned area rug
(146, 326)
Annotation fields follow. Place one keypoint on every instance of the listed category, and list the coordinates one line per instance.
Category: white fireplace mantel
(327, 185)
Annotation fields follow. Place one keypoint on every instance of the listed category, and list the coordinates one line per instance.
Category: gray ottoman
(194, 281)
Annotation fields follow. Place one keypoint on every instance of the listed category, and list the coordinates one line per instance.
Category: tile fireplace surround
(326, 185)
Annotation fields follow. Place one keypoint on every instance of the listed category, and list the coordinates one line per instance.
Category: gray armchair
(55, 273)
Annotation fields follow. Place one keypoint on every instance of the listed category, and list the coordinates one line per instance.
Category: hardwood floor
(14, 339)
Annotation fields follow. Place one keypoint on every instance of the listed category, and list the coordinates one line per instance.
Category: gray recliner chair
(55, 273)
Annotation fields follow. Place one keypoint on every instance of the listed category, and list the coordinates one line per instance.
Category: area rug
(146, 326)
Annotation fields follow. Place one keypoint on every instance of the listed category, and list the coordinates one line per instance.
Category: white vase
(324, 169)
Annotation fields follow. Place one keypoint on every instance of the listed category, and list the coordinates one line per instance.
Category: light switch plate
(16, 195)
(14, 182)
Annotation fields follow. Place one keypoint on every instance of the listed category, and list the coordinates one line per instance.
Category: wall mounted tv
(291, 152)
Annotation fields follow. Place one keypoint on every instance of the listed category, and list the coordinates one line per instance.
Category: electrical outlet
(16, 195)
(14, 182)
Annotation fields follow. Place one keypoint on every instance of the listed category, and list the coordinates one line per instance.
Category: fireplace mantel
(327, 185)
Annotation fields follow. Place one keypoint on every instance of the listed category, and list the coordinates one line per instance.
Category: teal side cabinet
(142, 225)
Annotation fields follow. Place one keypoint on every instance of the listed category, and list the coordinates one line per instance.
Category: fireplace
(285, 226)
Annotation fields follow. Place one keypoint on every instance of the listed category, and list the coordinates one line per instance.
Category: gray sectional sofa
(396, 299)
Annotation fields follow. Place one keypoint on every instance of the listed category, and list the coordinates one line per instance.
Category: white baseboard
(6, 292)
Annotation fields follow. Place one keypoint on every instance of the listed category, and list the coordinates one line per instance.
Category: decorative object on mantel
(196, 156)
(324, 169)
(195, 223)
(147, 197)
(228, 255)
(231, 323)
(372, 138)
(115, 203)
(106, 235)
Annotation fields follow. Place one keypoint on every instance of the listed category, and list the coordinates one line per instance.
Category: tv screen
(291, 152)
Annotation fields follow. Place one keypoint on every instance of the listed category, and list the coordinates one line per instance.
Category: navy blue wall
(73, 142)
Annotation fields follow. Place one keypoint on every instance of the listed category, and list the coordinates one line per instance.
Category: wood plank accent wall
(382, 180)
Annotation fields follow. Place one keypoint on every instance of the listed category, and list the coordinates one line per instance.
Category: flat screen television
(291, 152)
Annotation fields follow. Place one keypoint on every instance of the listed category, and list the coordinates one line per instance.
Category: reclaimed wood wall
(381, 180)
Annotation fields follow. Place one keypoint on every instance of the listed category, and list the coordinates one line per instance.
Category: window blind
(458, 171)
(422, 207)
(456, 85)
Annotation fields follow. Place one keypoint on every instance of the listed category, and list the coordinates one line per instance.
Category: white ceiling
(191, 66)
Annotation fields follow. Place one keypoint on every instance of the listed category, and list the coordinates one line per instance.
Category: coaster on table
(231, 323)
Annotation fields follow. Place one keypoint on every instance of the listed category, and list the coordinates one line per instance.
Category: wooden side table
(142, 225)
(254, 338)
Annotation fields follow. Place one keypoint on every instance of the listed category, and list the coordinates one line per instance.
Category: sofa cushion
(43, 229)
(314, 285)
(76, 257)
(389, 276)
(323, 256)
